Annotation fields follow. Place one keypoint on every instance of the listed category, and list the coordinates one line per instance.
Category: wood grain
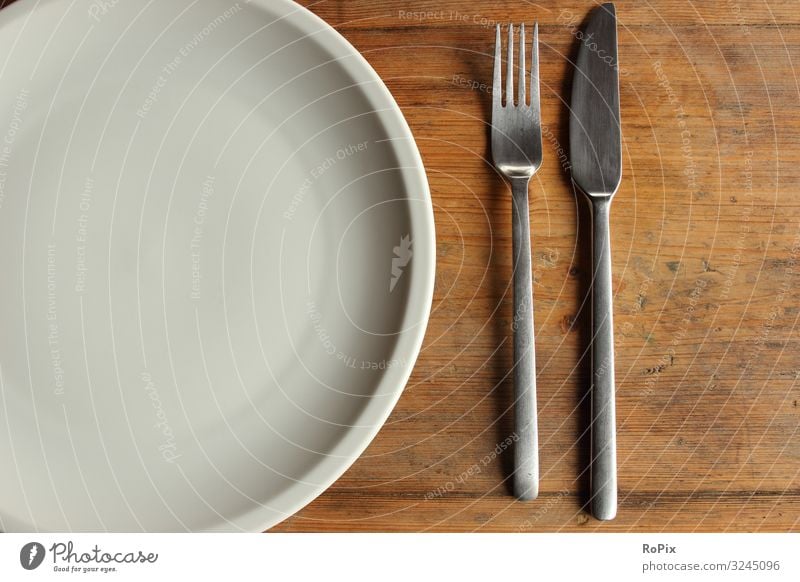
(706, 236)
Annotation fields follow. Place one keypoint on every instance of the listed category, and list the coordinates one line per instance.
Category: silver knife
(596, 148)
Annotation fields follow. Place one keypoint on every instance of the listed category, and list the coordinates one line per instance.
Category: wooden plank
(697, 513)
(705, 244)
(706, 234)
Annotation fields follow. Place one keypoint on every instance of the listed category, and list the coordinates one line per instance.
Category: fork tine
(497, 86)
(535, 70)
(522, 75)
(510, 74)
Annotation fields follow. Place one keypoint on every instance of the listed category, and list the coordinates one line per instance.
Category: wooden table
(706, 236)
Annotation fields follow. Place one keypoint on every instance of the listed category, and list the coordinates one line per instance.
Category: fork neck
(519, 185)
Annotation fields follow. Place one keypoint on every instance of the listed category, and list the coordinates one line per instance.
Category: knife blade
(596, 156)
(594, 132)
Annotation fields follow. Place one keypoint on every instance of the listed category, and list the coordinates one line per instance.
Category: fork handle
(526, 451)
(604, 438)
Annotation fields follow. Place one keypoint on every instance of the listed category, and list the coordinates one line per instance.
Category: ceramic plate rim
(420, 297)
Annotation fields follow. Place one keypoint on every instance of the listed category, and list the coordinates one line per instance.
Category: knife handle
(603, 430)
(526, 450)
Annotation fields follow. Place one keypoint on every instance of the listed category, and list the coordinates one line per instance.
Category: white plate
(218, 262)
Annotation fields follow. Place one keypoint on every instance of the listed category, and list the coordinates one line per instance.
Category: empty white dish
(218, 262)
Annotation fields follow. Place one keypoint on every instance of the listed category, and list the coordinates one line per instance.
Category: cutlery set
(596, 155)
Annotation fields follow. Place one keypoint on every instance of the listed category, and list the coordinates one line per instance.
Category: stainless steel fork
(517, 153)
